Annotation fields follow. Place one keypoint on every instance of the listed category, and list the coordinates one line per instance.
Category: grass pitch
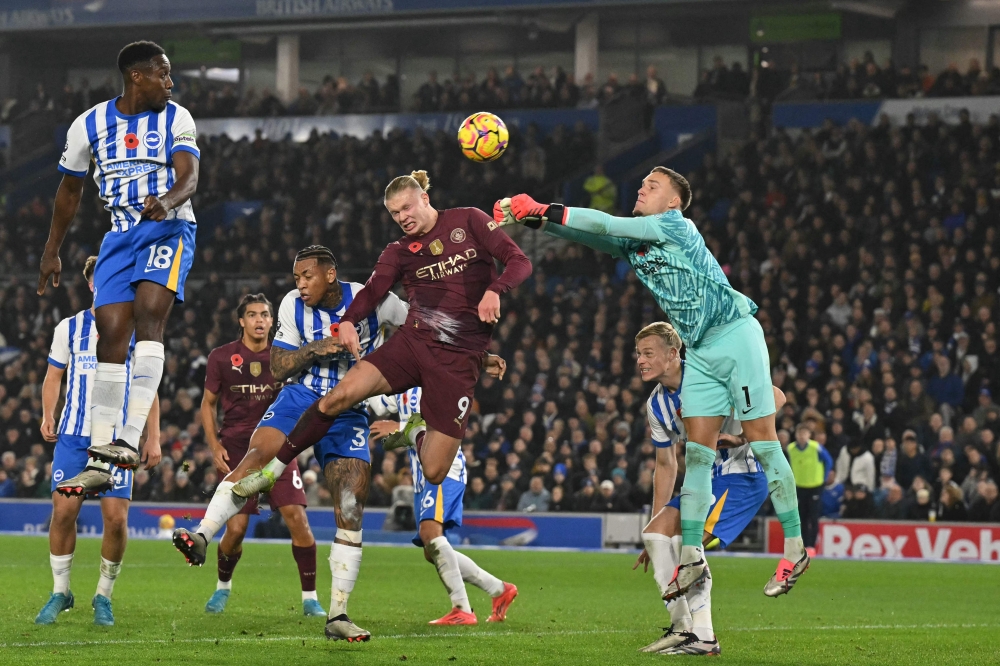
(573, 608)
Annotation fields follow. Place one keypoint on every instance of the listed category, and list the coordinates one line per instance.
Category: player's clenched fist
(153, 209)
(522, 209)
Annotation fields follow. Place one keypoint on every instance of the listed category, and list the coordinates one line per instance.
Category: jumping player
(73, 348)
(307, 348)
(439, 508)
(146, 167)
(446, 261)
(240, 373)
(739, 488)
(727, 361)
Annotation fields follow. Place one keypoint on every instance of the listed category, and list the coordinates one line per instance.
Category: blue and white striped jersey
(663, 412)
(299, 324)
(132, 155)
(74, 348)
(405, 404)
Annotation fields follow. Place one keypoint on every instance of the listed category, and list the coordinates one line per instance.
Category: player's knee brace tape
(350, 536)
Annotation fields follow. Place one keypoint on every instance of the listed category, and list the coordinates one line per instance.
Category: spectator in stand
(945, 388)
(602, 191)
(8, 487)
(858, 503)
(986, 508)
(895, 506)
(608, 500)
(656, 89)
(921, 507)
(952, 504)
(832, 498)
(911, 462)
(856, 466)
(536, 498)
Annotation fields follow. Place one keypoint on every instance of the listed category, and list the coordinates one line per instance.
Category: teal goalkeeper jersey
(670, 257)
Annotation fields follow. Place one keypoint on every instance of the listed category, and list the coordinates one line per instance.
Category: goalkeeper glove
(522, 209)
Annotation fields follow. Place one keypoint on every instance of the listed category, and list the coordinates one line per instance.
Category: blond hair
(661, 329)
(88, 268)
(416, 180)
(681, 184)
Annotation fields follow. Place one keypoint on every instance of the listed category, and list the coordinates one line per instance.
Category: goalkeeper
(727, 367)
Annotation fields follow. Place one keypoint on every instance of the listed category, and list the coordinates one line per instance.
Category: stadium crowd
(338, 95)
(871, 251)
(857, 79)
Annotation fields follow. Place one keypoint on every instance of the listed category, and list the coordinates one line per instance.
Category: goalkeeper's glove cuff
(556, 214)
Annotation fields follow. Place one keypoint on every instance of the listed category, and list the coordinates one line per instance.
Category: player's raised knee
(336, 401)
(435, 472)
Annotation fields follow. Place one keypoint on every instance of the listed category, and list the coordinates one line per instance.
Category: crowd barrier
(976, 542)
(532, 530)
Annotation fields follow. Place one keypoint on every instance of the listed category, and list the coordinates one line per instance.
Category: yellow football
(483, 137)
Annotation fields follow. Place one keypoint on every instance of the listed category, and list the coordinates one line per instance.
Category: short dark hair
(137, 53)
(249, 299)
(321, 253)
(680, 182)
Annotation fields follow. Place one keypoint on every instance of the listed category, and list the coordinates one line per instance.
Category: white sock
(276, 467)
(345, 563)
(94, 463)
(412, 436)
(108, 398)
(481, 578)
(794, 549)
(146, 374)
(61, 565)
(679, 608)
(691, 554)
(311, 594)
(661, 555)
(222, 507)
(700, 600)
(109, 572)
(448, 571)
(224, 584)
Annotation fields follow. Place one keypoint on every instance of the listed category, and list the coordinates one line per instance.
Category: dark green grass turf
(573, 608)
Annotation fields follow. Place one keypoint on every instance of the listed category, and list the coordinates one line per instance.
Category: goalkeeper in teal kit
(727, 368)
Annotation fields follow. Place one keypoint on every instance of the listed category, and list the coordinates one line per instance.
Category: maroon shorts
(447, 375)
(287, 489)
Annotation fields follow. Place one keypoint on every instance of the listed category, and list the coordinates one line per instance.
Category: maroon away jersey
(243, 380)
(445, 274)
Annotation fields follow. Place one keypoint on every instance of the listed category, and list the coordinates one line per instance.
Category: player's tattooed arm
(349, 482)
(287, 363)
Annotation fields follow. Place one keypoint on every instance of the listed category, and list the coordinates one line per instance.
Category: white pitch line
(482, 634)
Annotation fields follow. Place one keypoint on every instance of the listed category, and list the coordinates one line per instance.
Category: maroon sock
(305, 558)
(420, 441)
(311, 427)
(227, 564)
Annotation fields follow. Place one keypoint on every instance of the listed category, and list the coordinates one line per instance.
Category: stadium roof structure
(35, 15)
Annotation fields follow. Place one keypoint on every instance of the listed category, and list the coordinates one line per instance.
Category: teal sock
(780, 484)
(696, 493)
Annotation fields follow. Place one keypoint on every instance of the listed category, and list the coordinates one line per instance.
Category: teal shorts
(729, 372)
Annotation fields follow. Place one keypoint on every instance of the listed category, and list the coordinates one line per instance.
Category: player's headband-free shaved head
(321, 253)
(681, 184)
(137, 54)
